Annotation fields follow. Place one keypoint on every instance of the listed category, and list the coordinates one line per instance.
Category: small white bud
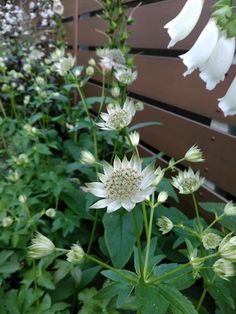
(41, 246)
(90, 71)
(51, 212)
(165, 224)
(139, 106)
(194, 154)
(134, 138)
(159, 176)
(92, 62)
(230, 209)
(224, 268)
(162, 197)
(7, 221)
(211, 240)
(22, 199)
(115, 92)
(87, 158)
(76, 254)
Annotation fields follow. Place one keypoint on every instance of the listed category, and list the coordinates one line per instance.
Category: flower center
(123, 184)
(119, 119)
(189, 184)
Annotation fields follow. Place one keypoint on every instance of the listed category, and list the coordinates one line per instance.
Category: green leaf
(149, 300)
(165, 185)
(143, 125)
(177, 300)
(118, 278)
(119, 236)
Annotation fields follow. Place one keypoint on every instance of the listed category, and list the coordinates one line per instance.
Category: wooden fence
(188, 111)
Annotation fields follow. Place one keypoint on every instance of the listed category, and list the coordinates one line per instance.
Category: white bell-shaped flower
(228, 103)
(198, 55)
(214, 70)
(183, 24)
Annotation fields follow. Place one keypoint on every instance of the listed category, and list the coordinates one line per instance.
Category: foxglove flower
(228, 103)
(118, 118)
(214, 70)
(187, 181)
(224, 268)
(198, 55)
(41, 246)
(183, 24)
(58, 8)
(123, 185)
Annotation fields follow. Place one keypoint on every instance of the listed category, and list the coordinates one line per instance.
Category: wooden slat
(177, 134)
(148, 31)
(86, 6)
(70, 33)
(69, 6)
(161, 79)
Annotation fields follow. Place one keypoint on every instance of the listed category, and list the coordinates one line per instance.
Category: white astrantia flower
(58, 7)
(211, 240)
(65, 64)
(87, 158)
(41, 246)
(227, 248)
(214, 70)
(165, 224)
(35, 55)
(125, 75)
(57, 54)
(198, 55)
(76, 254)
(118, 117)
(134, 138)
(183, 24)
(230, 209)
(123, 185)
(194, 154)
(110, 58)
(224, 268)
(187, 181)
(228, 103)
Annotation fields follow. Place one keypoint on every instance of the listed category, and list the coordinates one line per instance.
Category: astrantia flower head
(194, 154)
(125, 75)
(41, 246)
(224, 268)
(118, 118)
(123, 185)
(230, 209)
(110, 58)
(36, 55)
(76, 254)
(165, 224)
(65, 64)
(211, 240)
(187, 181)
(227, 248)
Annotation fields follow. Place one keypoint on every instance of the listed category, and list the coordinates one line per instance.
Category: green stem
(197, 213)
(136, 231)
(115, 147)
(91, 239)
(145, 219)
(3, 110)
(13, 105)
(95, 260)
(201, 299)
(214, 221)
(148, 240)
(35, 283)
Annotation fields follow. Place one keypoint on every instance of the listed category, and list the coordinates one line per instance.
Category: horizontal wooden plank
(86, 6)
(153, 36)
(70, 33)
(177, 134)
(69, 8)
(161, 79)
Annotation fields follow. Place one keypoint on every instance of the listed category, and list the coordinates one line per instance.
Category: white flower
(125, 75)
(228, 103)
(214, 70)
(183, 24)
(194, 154)
(57, 54)
(65, 64)
(187, 181)
(36, 55)
(227, 248)
(51, 212)
(22, 199)
(76, 254)
(198, 55)
(162, 197)
(7, 221)
(211, 240)
(224, 268)
(165, 224)
(123, 185)
(110, 58)
(118, 118)
(87, 158)
(230, 209)
(41, 246)
(134, 138)
(58, 8)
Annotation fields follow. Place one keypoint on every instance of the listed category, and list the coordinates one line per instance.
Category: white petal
(135, 163)
(183, 24)
(149, 169)
(125, 162)
(219, 62)
(202, 49)
(128, 205)
(147, 180)
(102, 177)
(108, 170)
(104, 116)
(140, 196)
(228, 103)
(97, 189)
(113, 206)
(101, 204)
(117, 163)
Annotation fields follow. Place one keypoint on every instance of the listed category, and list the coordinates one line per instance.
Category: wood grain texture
(86, 6)
(69, 7)
(161, 79)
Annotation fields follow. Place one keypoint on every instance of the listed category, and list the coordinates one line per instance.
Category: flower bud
(194, 154)
(211, 240)
(224, 268)
(134, 138)
(159, 176)
(230, 209)
(165, 224)
(22, 199)
(92, 62)
(162, 197)
(90, 71)
(115, 92)
(227, 248)
(87, 158)
(51, 212)
(76, 254)
(139, 106)
(7, 221)
(41, 246)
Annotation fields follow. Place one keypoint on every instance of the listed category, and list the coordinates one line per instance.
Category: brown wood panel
(69, 6)
(86, 6)
(70, 33)
(148, 31)
(161, 79)
(177, 134)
